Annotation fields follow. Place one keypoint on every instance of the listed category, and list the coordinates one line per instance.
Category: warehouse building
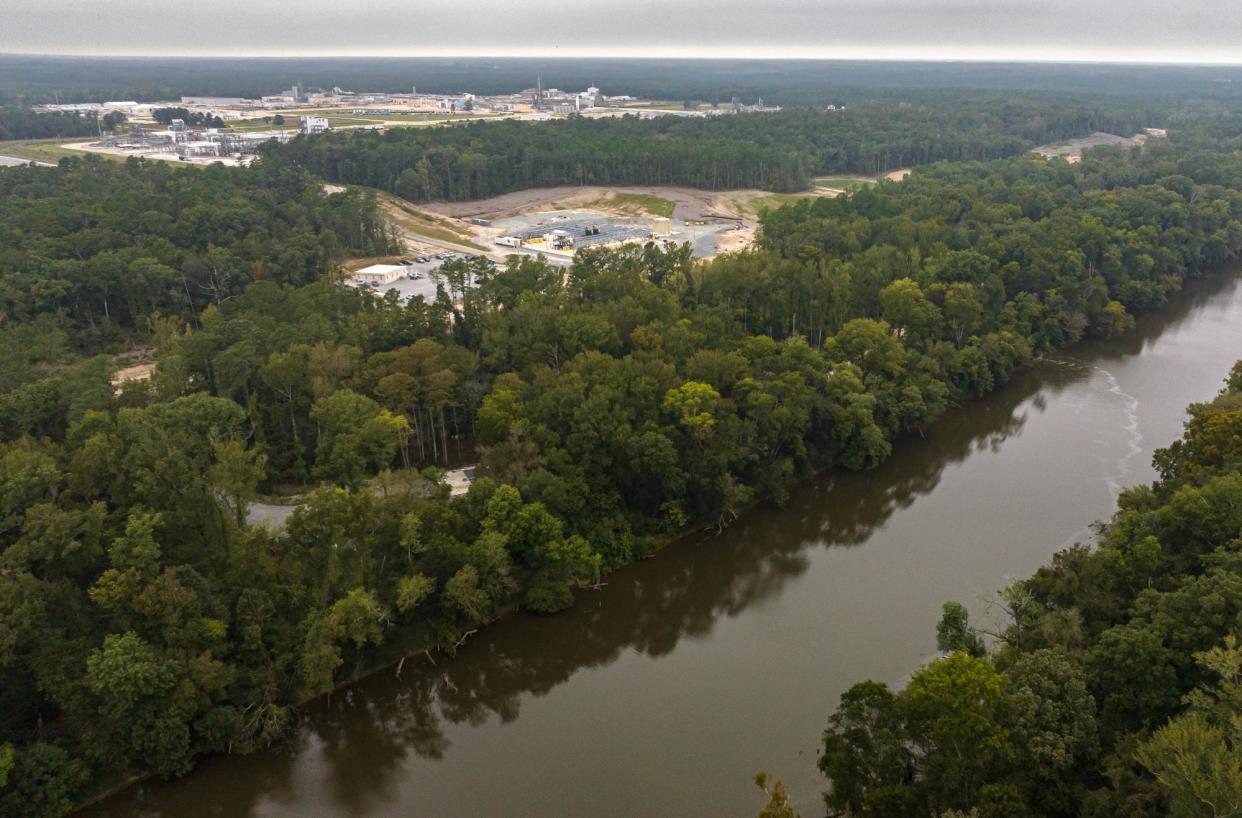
(381, 273)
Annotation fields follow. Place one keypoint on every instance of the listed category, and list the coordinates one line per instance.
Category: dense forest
(1113, 688)
(23, 123)
(94, 250)
(771, 151)
(144, 621)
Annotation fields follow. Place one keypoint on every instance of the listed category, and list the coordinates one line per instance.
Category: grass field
(43, 150)
(846, 183)
(246, 125)
(781, 199)
(750, 205)
(52, 151)
(636, 204)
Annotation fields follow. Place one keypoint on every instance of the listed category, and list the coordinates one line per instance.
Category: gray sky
(1130, 30)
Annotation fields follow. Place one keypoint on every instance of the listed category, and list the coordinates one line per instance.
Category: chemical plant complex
(241, 125)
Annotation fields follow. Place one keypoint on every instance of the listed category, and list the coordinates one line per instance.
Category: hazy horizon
(906, 57)
(1197, 32)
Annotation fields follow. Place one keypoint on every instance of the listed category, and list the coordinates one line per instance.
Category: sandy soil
(688, 203)
(731, 241)
(898, 175)
(137, 372)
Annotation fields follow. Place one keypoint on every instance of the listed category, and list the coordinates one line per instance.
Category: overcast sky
(1126, 30)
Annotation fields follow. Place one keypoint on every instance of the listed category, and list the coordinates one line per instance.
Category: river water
(663, 693)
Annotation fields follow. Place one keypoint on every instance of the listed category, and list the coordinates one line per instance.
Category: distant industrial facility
(186, 143)
(251, 122)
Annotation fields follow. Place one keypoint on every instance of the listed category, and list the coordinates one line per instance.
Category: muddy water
(663, 693)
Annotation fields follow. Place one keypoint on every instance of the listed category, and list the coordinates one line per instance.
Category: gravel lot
(701, 236)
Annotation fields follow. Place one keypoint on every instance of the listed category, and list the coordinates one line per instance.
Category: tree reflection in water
(363, 734)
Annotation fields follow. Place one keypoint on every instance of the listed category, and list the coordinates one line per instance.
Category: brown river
(663, 693)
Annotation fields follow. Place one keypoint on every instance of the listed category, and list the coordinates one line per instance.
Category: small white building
(380, 273)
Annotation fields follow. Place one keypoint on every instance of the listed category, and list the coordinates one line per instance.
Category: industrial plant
(242, 124)
(186, 143)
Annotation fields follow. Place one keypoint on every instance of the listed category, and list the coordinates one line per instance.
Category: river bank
(722, 655)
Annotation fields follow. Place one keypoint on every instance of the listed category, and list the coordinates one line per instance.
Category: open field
(843, 184)
(249, 125)
(636, 204)
(50, 151)
(1072, 149)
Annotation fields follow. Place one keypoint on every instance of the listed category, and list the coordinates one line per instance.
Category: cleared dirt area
(688, 203)
(740, 207)
(137, 372)
(423, 228)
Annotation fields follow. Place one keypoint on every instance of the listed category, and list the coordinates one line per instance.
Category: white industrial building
(314, 124)
(380, 273)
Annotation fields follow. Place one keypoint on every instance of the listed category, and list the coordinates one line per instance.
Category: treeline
(23, 123)
(1114, 687)
(773, 151)
(101, 247)
(165, 116)
(144, 620)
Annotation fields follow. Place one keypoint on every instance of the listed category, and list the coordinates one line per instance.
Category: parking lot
(426, 278)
